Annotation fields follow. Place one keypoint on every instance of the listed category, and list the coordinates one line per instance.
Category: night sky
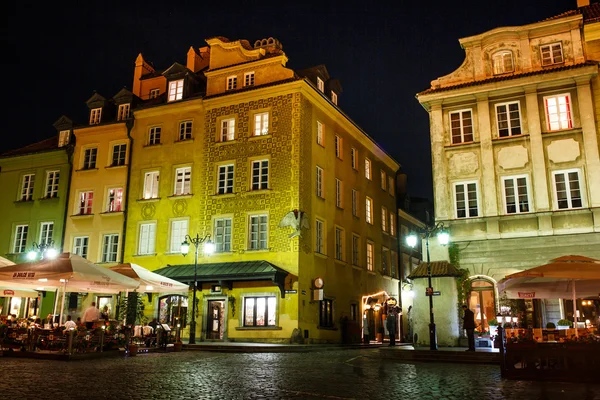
(382, 52)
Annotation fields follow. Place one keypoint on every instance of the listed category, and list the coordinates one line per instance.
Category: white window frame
(467, 210)
(557, 119)
(154, 134)
(319, 236)
(120, 151)
(227, 129)
(258, 239)
(339, 144)
(225, 178)
(151, 185)
(90, 158)
(178, 230)
(511, 125)
(114, 199)
(185, 130)
(370, 253)
(517, 196)
(183, 181)
(355, 202)
(27, 186)
(81, 245)
(384, 219)
(154, 93)
(334, 97)
(63, 138)
(462, 128)
(95, 116)
(86, 203)
(123, 112)
(249, 78)
(383, 180)
(499, 62)
(354, 158)
(339, 193)
(46, 232)
(319, 181)
(320, 84)
(368, 170)
(232, 82)
(548, 56)
(339, 243)
(568, 190)
(260, 179)
(261, 124)
(110, 247)
(52, 182)
(320, 134)
(20, 238)
(147, 238)
(175, 90)
(369, 210)
(223, 232)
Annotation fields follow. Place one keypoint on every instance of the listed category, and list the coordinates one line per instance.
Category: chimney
(197, 61)
(583, 3)
(141, 68)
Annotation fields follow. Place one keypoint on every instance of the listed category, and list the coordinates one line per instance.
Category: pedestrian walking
(469, 326)
(391, 322)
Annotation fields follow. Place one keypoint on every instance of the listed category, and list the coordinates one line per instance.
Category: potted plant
(564, 324)
(493, 327)
(550, 325)
(131, 310)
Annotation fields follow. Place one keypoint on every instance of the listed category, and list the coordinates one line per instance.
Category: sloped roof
(590, 13)
(209, 272)
(41, 146)
(438, 269)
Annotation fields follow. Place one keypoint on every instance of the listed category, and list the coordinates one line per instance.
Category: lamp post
(208, 249)
(443, 238)
(45, 250)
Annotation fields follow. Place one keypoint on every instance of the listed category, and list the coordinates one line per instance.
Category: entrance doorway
(482, 302)
(215, 320)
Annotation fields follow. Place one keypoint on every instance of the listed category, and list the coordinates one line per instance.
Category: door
(482, 303)
(214, 320)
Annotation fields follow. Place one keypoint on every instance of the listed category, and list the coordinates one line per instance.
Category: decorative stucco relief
(513, 157)
(563, 150)
(463, 163)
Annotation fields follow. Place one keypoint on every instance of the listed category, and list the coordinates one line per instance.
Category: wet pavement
(334, 374)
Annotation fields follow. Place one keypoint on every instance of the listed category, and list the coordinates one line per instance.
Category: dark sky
(383, 53)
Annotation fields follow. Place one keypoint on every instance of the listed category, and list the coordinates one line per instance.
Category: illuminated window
(147, 238)
(86, 200)
(384, 219)
(558, 112)
(509, 119)
(370, 256)
(63, 138)
(114, 200)
(185, 130)
(183, 181)
(334, 97)
(261, 124)
(369, 210)
(466, 201)
(225, 183)
(154, 93)
(260, 311)
(228, 130)
(461, 125)
(175, 90)
(552, 54)
(231, 82)
(151, 184)
(368, 169)
(392, 224)
(95, 116)
(320, 84)
(123, 112)
(320, 134)
(503, 62)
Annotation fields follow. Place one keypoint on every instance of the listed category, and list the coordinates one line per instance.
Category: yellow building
(291, 191)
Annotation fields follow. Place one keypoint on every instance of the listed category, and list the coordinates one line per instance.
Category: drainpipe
(129, 125)
(69, 150)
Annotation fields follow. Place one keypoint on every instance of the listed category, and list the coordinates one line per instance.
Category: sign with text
(526, 295)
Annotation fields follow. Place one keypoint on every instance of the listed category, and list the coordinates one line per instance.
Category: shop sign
(9, 292)
(526, 295)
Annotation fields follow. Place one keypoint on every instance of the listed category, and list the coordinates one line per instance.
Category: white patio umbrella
(150, 282)
(5, 262)
(22, 292)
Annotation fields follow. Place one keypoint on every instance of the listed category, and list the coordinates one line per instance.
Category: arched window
(502, 62)
(173, 308)
(482, 301)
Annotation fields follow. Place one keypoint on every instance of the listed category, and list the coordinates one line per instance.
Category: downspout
(69, 151)
(129, 125)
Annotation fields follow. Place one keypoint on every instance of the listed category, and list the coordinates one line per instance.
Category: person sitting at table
(79, 323)
(37, 323)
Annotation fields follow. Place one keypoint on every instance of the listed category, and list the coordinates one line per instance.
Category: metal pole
(432, 332)
(192, 339)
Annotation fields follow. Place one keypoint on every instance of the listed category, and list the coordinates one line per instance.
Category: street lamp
(443, 239)
(209, 248)
(45, 250)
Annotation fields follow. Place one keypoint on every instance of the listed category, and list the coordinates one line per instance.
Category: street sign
(430, 292)
(437, 293)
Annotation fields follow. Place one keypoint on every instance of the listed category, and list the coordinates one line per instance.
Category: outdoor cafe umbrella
(5, 262)
(150, 281)
(6, 291)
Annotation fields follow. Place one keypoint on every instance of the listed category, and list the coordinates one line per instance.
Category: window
(320, 84)
(568, 189)
(368, 169)
(154, 135)
(509, 119)
(225, 184)
(154, 93)
(334, 98)
(89, 158)
(515, 194)
(228, 130)
(179, 229)
(355, 202)
(183, 181)
(147, 238)
(393, 264)
(20, 239)
(63, 138)
(383, 180)
(353, 156)
(46, 230)
(384, 261)
(339, 193)
(123, 112)
(392, 224)
(231, 82)
(185, 130)
(260, 174)
(558, 112)
(503, 62)
(85, 202)
(319, 238)
(384, 219)
(175, 90)
(80, 245)
(552, 54)
(338, 147)
(320, 189)
(222, 235)
(461, 126)
(326, 312)
(260, 311)
(110, 248)
(370, 256)
(258, 232)
(320, 134)
(339, 244)
(369, 210)
(151, 185)
(27, 187)
(355, 250)
(466, 200)
(391, 185)
(249, 79)
(114, 200)
(95, 115)
(261, 124)
(118, 156)
(52, 178)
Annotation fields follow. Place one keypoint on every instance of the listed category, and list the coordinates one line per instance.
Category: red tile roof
(41, 146)
(590, 13)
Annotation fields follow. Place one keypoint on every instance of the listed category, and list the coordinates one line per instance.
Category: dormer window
(95, 115)
(334, 97)
(176, 90)
(503, 62)
(63, 138)
(552, 54)
(123, 113)
(320, 84)
(154, 93)
(231, 82)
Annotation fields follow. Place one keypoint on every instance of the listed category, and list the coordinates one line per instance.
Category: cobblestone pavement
(338, 375)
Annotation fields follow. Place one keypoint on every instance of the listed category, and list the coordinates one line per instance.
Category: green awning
(438, 269)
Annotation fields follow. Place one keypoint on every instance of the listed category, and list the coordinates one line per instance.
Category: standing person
(391, 322)
(105, 313)
(90, 315)
(469, 326)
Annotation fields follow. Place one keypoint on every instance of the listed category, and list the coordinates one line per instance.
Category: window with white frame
(339, 193)
(249, 79)
(558, 112)
(334, 97)
(175, 90)
(338, 147)
(319, 237)
(118, 155)
(222, 235)
(466, 201)
(320, 84)
(27, 187)
(179, 230)
(320, 134)
(260, 174)
(503, 62)
(370, 256)
(509, 119)
(385, 253)
(461, 126)
(110, 247)
(339, 244)
(154, 135)
(368, 174)
(46, 231)
(392, 224)
(567, 189)
(258, 232)
(383, 180)
(89, 158)
(80, 245)
(384, 219)
(185, 130)
(63, 138)
(516, 196)
(52, 178)
(231, 82)
(123, 112)
(151, 184)
(183, 181)
(320, 183)
(20, 240)
(228, 130)
(95, 116)
(154, 93)
(114, 200)
(355, 250)
(261, 124)
(260, 311)
(391, 185)
(552, 54)
(355, 202)
(369, 210)
(147, 238)
(354, 158)
(86, 199)
(225, 183)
